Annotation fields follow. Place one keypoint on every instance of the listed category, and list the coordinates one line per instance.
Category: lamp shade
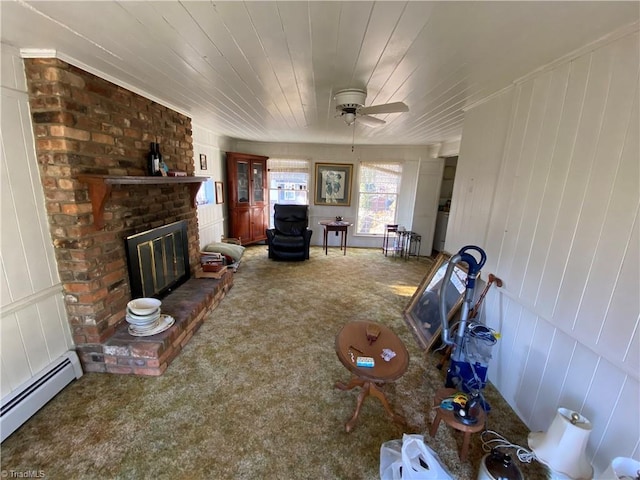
(562, 447)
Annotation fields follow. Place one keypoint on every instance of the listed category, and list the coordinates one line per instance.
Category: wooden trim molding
(30, 300)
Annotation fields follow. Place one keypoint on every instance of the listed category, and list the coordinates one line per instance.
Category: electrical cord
(478, 330)
(524, 455)
(440, 348)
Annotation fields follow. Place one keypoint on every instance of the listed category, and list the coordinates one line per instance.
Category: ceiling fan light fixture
(349, 118)
(350, 106)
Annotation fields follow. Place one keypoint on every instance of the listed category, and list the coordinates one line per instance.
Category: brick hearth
(188, 305)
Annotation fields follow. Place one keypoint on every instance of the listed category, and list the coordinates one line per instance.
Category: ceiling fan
(350, 106)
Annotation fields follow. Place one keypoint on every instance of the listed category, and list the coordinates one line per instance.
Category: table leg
(325, 240)
(464, 451)
(363, 393)
(343, 240)
(379, 394)
(354, 382)
(435, 424)
(368, 388)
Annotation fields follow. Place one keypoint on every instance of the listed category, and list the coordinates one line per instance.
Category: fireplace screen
(158, 260)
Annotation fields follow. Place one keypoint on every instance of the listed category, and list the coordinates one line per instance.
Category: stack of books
(213, 265)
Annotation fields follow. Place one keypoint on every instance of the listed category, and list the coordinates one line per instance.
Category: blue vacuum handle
(474, 265)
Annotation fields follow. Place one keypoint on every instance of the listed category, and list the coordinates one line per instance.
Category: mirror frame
(422, 314)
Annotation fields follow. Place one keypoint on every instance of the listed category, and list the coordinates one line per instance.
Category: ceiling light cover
(349, 118)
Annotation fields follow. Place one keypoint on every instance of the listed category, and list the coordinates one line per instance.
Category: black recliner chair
(291, 237)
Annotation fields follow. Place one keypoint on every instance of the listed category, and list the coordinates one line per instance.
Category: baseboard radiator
(18, 406)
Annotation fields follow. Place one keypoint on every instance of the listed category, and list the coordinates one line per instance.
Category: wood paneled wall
(34, 330)
(548, 182)
(211, 217)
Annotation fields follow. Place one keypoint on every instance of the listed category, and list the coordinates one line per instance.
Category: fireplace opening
(158, 260)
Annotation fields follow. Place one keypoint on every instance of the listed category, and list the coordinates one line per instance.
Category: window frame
(287, 188)
(368, 164)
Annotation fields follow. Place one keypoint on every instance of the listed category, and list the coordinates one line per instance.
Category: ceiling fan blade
(370, 121)
(395, 107)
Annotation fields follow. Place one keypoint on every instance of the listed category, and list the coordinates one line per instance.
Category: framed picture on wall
(219, 192)
(203, 161)
(333, 184)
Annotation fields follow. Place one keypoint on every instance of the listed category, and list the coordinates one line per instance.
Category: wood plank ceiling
(268, 71)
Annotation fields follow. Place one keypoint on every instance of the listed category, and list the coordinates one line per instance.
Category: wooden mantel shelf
(100, 188)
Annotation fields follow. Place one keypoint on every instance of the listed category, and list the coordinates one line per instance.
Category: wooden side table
(351, 342)
(449, 418)
(338, 227)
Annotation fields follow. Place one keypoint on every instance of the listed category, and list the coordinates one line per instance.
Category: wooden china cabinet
(248, 202)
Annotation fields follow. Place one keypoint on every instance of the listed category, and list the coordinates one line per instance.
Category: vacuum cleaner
(471, 346)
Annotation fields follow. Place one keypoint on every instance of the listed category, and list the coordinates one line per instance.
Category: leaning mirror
(422, 313)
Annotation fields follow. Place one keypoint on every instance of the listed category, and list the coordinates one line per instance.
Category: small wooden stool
(450, 419)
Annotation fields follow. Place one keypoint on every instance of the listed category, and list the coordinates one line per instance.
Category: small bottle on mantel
(153, 161)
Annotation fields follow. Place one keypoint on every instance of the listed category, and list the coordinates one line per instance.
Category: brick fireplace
(86, 125)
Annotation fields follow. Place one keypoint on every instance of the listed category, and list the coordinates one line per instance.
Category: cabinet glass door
(242, 184)
(258, 182)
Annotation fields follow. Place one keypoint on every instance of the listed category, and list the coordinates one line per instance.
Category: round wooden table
(351, 343)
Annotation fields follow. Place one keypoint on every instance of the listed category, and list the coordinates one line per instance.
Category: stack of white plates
(143, 314)
(162, 324)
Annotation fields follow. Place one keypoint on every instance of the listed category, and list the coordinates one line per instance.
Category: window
(378, 187)
(288, 183)
(205, 193)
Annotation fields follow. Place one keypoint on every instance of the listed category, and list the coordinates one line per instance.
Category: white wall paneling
(620, 428)
(552, 381)
(536, 362)
(612, 271)
(615, 79)
(14, 354)
(553, 190)
(211, 217)
(477, 171)
(33, 324)
(621, 338)
(562, 234)
(22, 198)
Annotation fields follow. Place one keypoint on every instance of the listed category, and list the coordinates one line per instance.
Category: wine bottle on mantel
(162, 167)
(153, 162)
(154, 159)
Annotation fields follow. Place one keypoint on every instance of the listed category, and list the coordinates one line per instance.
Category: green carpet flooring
(252, 395)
